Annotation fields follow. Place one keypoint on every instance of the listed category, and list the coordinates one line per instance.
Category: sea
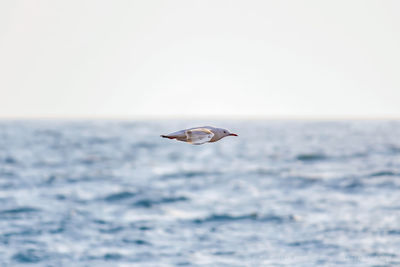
(282, 193)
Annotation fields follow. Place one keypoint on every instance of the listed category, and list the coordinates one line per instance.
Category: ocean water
(283, 193)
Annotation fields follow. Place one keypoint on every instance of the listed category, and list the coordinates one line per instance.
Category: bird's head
(223, 133)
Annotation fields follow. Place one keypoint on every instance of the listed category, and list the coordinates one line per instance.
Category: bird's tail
(166, 136)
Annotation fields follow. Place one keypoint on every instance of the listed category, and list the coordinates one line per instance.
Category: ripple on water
(149, 202)
(252, 217)
(384, 173)
(311, 157)
(10, 160)
(120, 196)
(29, 256)
(188, 174)
(19, 211)
(139, 242)
(112, 256)
(312, 244)
(394, 149)
(394, 232)
(111, 229)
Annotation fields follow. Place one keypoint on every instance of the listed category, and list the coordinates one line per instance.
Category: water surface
(283, 193)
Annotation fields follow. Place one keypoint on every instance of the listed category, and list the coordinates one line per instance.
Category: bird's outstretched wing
(198, 136)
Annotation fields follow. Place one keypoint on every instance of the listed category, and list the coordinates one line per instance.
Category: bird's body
(199, 135)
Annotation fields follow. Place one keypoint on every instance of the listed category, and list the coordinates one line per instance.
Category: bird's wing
(198, 136)
(178, 135)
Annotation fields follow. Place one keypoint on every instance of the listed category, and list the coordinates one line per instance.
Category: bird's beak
(232, 134)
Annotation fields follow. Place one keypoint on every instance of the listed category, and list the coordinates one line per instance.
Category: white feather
(198, 136)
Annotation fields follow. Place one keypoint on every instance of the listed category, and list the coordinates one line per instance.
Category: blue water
(283, 193)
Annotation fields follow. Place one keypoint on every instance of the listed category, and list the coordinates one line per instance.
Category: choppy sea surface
(283, 193)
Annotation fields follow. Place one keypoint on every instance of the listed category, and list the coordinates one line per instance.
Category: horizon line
(200, 117)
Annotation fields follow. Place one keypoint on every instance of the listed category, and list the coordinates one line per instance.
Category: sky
(186, 58)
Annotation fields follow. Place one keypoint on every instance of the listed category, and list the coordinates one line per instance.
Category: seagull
(199, 135)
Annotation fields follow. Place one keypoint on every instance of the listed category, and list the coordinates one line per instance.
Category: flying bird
(200, 135)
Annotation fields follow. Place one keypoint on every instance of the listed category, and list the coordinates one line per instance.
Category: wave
(346, 185)
(314, 243)
(29, 256)
(10, 160)
(394, 149)
(148, 202)
(384, 173)
(112, 256)
(139, 242)
(252, 216)
(20, 210)
(311, 157)
(120, 196)
(394, 232)
(188, 174)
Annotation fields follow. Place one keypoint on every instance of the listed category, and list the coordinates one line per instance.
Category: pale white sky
(200, 58)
